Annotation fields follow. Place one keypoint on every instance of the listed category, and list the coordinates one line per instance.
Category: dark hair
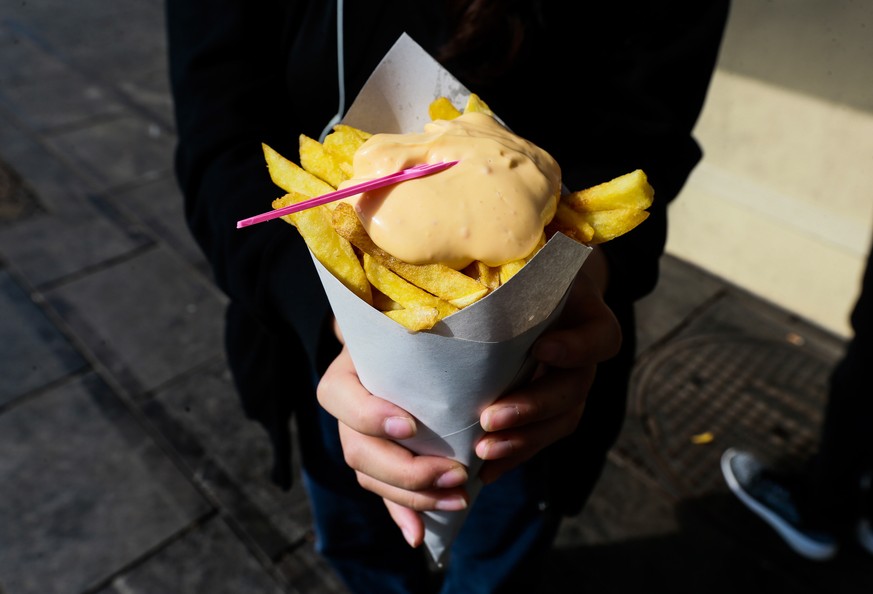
(486, 37)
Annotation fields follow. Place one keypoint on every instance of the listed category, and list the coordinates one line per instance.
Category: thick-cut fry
(475, 103)
(415, 319)
(609, 224)
(510, 269)
(437, 279)
(487, 275)
(344, 142)
(320, 162)
(442, 109)
(383, 302)
(571, 223)
(332, 250)
(291, 177)
(629, 191)
(402, 291)
(596, 227)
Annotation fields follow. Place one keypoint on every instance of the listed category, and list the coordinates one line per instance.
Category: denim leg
(506, 537)
(354, 531)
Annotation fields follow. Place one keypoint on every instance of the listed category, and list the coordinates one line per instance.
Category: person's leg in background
(831, 500)
(844, 460)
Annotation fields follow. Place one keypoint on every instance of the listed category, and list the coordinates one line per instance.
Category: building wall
(782, 203)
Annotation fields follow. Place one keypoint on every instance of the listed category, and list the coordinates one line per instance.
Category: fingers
(588, 331)
(367, 425)
(525, 421)
(338, 332)
(396, 473)
(409, 522)
(341, 394)
(522, 423)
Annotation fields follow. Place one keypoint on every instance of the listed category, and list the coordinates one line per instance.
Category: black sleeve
(666, 89)
(608, 88)
(227, 74)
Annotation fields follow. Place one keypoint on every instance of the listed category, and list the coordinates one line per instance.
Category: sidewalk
(127, 466)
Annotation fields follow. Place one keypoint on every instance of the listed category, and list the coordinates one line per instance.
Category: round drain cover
(698, 396)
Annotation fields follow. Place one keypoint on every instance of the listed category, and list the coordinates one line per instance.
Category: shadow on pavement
(720, 548)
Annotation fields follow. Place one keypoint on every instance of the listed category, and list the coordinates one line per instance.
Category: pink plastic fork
(381, 182)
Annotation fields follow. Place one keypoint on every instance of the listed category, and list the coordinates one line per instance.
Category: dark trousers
(845, 454)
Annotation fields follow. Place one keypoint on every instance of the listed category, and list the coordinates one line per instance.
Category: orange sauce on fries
(491, 206)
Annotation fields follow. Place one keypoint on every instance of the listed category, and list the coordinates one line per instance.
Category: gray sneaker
(773, 502)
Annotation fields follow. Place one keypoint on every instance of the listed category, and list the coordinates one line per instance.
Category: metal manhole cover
(698, 396)
(16, 200)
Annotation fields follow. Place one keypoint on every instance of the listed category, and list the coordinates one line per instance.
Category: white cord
(341, 75)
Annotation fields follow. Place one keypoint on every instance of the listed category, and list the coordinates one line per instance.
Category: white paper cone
(446, 376)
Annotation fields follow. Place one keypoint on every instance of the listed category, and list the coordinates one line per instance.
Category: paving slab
(148, 319)
(47, 248)
(81, 34)
(202, 417)
(23, 60)
(117, 152)
(134, 71)
(45, 93)
(84, 490)
(208, 558)
(682, 290)
(159, 207)
(308, 572)
(69, 229)
(57, 187)
(33, 353)
(633, 537)
(625, 505)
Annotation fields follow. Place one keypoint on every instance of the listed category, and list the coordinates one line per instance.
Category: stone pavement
(126, 464)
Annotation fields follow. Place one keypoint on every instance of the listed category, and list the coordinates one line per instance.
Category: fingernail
(408, 537)
(549, 351)
(452, 478)
(502, 418)
(399, 427)
(454, 503)
(493, 450)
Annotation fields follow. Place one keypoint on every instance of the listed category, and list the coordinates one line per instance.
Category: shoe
(772, 501)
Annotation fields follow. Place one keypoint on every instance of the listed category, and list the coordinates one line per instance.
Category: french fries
(605, 211)
(316, 159)
(401, 291)
(437, 279)
(330, 248)
(418, 296)
(343, 143)
(442, 109)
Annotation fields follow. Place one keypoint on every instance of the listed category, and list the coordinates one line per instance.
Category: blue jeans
(500, 548)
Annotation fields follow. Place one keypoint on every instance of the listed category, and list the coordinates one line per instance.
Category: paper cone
(446, 376)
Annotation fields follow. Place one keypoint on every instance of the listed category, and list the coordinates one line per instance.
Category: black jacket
(605, 88)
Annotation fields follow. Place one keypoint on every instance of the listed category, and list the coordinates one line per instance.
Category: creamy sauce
(491, 206)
